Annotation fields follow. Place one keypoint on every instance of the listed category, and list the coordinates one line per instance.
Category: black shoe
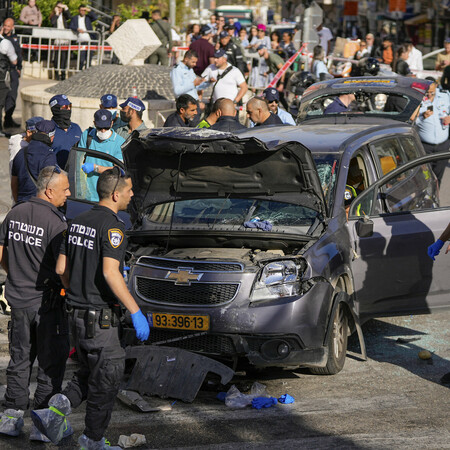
(3, 134)
(9, 123)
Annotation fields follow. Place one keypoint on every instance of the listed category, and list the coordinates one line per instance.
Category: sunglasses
(103, 128)
(120, 174)
(57, 170)
(273, 101)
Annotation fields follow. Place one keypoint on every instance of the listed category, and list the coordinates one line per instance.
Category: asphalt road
(392, 400)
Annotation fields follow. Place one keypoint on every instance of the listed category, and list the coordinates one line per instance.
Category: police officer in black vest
(91, 265)
(30, 239)
(8, 57)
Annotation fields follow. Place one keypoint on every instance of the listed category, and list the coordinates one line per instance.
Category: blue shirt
(318, 68)
(285, 117)
(110, 146)
(183, 81)
(335, 107)
(64, 141)
(431, 130)
(40, 155)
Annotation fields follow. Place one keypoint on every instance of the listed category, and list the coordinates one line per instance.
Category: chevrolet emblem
(183, 276)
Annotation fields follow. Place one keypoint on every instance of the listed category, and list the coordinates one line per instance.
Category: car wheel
(336, 343)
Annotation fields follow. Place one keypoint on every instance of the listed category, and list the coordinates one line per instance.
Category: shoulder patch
(115, 236)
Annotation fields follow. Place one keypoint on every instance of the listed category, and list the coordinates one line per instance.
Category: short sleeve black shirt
(271, 120)
(93, 235)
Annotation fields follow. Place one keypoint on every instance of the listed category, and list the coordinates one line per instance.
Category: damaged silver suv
(246, 246)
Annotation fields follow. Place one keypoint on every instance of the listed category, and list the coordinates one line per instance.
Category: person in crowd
(340, 104)
(98, 288)
(30, 237)
(253, 36)
(8, 59)
(115, 23)
(31, 14)
(164, 34)
(82, 24)
(204, 50)
(259, 113)
(363, 51)
(184, 80)
(243, 37)
(371, 46)
(415, 57)
(433, 125)
(60, 18)
(287, 46)
(67, 133)
(21, 140)
(101, 138)
(193, 35)
(443, 59)
(185, 114)
(231, 30)
(318, 67)
(261, 38)
(228, 81)
(7, 32)
(274, 40)
(233, 51)
(401, 65)
(220, 25)
(213, 23)
(212, 117)
(325, 36)
(387, 50)
(30, 160)
(227, 120)
(132, 110)
(272, 97)
(109, 102)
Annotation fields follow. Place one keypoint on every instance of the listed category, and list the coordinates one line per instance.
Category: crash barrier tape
(286, 66)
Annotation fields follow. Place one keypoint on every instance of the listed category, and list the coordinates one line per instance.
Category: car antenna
(175, 196)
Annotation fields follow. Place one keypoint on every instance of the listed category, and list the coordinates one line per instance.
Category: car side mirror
(364, 227)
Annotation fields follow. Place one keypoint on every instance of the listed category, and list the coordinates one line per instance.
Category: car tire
(336, 343)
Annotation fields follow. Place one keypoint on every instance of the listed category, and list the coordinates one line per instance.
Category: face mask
(103, 135)
(124, 117)
(62, 117)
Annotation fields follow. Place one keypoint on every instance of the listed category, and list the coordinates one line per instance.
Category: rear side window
(410, 148)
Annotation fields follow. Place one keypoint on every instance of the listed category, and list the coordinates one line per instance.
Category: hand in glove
(88, 167)
(140, 324)
(264, 402)
(435, 248)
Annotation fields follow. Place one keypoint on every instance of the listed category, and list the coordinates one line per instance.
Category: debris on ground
(286, 399)
(135, 440)
(407, 340)
(425, 354)
(136, 402)
(264, 402)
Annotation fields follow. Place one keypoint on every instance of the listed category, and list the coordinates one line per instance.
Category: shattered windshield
(213, 213)
(327, 168)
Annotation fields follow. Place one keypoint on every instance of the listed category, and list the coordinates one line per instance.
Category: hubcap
(339, 333)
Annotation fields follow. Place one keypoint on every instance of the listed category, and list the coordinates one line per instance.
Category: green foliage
(46, 7)
(135, 10)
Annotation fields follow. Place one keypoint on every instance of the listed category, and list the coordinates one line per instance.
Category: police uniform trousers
(160, 55)
(437, 166)
(42, 333)
(102, 364)
(3, 93)
(11, 97)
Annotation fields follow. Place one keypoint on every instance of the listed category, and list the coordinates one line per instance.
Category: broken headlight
(277, 279)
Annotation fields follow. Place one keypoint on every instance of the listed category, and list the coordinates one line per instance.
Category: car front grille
(167, 292)
(197, 266)
(206, 343)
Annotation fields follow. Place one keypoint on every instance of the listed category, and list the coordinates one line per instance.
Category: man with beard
(67, 133)
(131, 113)
(185, 113)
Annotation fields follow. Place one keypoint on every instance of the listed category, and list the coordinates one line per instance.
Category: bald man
(227, 120)
(259, 113)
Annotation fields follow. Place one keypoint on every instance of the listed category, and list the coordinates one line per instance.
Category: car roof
(319, 137)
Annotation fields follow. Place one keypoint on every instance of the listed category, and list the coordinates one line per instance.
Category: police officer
(30, 160)
(8, 57)
(30, 239)
(272, 97)
(67, 133)
(109, 101)
(233, 51)
(102, 139)
(131, 113)
(97, 243)
(10, 102)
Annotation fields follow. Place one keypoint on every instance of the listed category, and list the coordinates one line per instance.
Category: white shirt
(324, 36)
(415, 59)
(6, 48)
(16, 142)
(228, 86)
(83, 37)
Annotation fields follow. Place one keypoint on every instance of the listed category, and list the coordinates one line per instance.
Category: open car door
(83, 187)
(393, 222)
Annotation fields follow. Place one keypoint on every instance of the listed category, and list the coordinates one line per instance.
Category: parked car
(241, 245)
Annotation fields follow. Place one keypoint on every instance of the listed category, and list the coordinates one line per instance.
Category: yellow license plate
(179, 321)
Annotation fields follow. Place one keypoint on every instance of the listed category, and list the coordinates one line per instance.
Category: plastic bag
(89, 444)
(135, 440)
(11, 422)
(52, 421)
(236, 399)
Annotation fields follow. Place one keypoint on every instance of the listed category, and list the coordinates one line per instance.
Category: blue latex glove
(140, 324)
(264, 402)
(88, 167)
(221, 396)
(435, 248)
(286, 398)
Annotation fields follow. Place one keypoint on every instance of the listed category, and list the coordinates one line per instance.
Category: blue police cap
(260, 47)
(223, 34)
(133, 103)
(60, 100)
(271, 94)
(103, 118)
(47, 127)
(30, 124)
(109, 101)
(205, 30)
(220, 53)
